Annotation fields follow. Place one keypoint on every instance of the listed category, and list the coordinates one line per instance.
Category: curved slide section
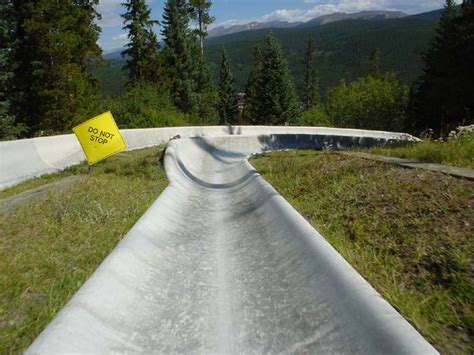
(222, 264)
(28, 158)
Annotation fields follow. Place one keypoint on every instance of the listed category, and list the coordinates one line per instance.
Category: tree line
(439, 101)
(48, 48)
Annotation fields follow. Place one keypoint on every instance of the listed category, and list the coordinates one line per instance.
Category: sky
(232, 12)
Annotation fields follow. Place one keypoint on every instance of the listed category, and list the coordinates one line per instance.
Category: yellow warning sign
(99, 137)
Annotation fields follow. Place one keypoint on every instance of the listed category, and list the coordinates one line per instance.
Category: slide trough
(222, 264)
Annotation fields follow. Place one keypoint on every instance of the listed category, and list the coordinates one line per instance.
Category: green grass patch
(50, 247)
(458, 152)
(408, 232)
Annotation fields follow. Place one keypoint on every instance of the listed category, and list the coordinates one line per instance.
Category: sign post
(99, 137)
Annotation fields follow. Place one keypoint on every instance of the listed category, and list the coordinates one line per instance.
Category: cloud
(114, 42)
(228, 23)
(110, 11)
(121, 37)
(325, 7)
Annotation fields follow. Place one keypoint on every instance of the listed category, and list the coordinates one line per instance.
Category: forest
(342, 74)
(342, 51)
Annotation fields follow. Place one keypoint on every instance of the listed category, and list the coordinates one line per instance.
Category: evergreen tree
(374, 63)
(199, 11)
(178, 55)
(142, 50)
(253, 109)
(56, 46)
(278, 98)
(192, 88)
(311, 93)
(207, 96)
(8, 128)
(442, 99)
(465, 56)
(227, 103)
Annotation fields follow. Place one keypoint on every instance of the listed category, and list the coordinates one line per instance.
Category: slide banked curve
(24, 159)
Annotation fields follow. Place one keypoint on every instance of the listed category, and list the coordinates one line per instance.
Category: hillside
(363, 15)
(343, 50)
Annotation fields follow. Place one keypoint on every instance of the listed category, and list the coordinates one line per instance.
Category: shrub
(316, 116)
(144, 106)
(369, 103)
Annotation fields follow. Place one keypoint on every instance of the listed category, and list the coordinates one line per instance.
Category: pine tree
(192, 88)
(199, 11)
(227, 103)
(178, 55)
(8, 127)
(374, 63)
(465, 56)
(437, 102)
(56, 46)
(311, 92)
(253, 109)
(142, 50)
(278, 98)
(207, 97)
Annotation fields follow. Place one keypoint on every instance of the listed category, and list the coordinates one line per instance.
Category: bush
(144, 106)
(9, 129)
(316, 116)
(369, 103)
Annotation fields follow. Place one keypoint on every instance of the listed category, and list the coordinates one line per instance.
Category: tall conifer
(200, 13)
(374, 63)
(253, 109)
(206, 108)
(8, 127)
(278, 97)
(56, 46)
(142, 50)
(442, 98)
(311, 93)
(227, 102)
(178, 54)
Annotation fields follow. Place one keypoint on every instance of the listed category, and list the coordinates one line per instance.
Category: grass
(408, 232)
(459, 152)
(49, 248)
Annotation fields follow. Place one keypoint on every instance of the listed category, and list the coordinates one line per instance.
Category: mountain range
(344, 43)
(222, 30)
(321, 20)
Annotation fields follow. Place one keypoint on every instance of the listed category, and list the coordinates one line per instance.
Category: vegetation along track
(51, 244)
(406, 231)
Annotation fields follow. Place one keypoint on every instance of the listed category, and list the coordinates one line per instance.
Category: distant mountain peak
(254, 25)
(321, 20)
(362, 15)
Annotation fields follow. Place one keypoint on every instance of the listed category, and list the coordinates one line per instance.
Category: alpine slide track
(220, 263)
